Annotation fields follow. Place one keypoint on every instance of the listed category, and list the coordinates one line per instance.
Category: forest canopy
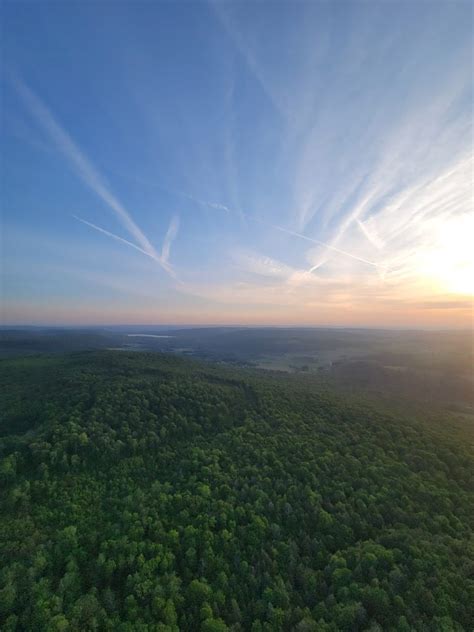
(146, 492)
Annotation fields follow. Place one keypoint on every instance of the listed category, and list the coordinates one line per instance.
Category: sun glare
(450, 263)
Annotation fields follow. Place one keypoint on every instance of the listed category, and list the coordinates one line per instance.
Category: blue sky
(253, 163)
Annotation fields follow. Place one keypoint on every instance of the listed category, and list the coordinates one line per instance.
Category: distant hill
(433, 367)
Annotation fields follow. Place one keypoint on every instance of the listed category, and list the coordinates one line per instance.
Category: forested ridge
(145, 492)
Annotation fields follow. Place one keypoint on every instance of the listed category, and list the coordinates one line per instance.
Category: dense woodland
(150, 493)
(433, 368)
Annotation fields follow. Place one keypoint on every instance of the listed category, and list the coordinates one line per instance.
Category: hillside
(148, 492)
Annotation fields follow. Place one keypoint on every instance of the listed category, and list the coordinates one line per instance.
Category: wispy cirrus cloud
(368, 232)
(355, 155)
(169, 238)
(261, 265)
(162, 259)
(89, 175)
(292, 233)
(224, 14)
(371, 185)
(113, 236)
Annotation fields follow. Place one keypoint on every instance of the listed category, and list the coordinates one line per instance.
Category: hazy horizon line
(234, 326)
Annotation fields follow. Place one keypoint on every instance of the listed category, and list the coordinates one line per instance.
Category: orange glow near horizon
(442, 312)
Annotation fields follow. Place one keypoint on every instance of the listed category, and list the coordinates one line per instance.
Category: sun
(449, 264)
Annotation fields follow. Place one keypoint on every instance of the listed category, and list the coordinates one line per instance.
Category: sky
(251, 163)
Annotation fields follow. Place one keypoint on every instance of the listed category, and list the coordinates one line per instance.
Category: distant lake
(148, 336)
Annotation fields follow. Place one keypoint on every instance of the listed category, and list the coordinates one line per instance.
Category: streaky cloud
(169, 238)
(263, 266)
(113, 236)
(372, 238)
(81, 164)
(324, 244)
(253, 218)
(159, 259)
(228, 24)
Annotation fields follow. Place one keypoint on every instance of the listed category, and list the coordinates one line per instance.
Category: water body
(148, 336)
